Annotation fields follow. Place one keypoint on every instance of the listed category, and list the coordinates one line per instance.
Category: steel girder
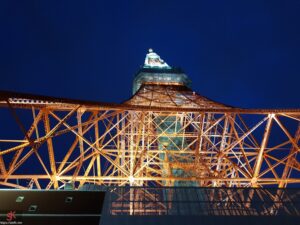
(48, 143)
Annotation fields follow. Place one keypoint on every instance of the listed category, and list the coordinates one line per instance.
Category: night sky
(241, 53)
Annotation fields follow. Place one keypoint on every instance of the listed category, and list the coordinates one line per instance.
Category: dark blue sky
(241, 53)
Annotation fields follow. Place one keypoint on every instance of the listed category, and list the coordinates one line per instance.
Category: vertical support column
(35, 124)
(2, 166)
(259, 159)
(150, 138)
(222, 146)
(131, 146)
(131, 163)
(285, 174)
(50, 150)
(118, 142)
(140, 149)
(289, 162)
(123, 144)
(81, 150)
(97, 146)
(200, 148)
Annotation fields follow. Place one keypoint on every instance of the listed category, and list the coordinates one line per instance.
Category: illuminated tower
(164, 135)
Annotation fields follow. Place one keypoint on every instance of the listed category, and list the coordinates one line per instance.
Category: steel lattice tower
(164, 135)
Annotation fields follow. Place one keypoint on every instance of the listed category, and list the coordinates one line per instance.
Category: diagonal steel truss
(64, 142)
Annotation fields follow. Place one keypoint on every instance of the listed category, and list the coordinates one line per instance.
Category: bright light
(131, 179)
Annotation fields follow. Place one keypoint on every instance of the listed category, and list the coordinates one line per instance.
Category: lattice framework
(109, 144)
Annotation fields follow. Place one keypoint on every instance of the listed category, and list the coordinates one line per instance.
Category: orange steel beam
(50, 150)
(121, 142)
(259, 159)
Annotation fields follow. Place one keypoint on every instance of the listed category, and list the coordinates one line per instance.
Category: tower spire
(153, 60)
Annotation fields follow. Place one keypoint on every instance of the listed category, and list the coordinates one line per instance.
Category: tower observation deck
(156, 71)
(165, 135)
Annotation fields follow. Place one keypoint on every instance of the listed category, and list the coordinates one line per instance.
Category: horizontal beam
(149, 178)
(21, 100)
(60, 106)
